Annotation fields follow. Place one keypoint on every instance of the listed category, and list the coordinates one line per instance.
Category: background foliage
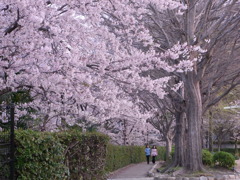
(120, 156)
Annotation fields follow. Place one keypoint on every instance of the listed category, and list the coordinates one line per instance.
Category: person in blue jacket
(148, 153)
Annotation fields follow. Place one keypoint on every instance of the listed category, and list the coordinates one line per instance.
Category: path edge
(151, 172)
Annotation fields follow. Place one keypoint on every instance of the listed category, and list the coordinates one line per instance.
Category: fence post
(12, 145)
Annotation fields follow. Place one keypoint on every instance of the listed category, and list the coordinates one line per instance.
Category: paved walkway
(237, 166)
(133, 172)
(139, 172)
(145, 178)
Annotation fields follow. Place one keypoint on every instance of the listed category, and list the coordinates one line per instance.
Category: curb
(218, 177)
(151, 172)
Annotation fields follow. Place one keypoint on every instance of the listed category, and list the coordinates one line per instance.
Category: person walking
(148, 153)
(154, 153)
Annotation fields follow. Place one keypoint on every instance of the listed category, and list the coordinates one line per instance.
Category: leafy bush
(207, 157)
(39, 156)
(224, 159)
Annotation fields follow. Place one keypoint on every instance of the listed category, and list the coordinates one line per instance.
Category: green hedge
(231, 151)
(71, 155)
(39, 156)
(85, 154)
(161, 153)
(207, 157)
(63, 155)
(120, 156)
(224, 159)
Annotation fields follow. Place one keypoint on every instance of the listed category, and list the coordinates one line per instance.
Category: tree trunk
(168, 148)
(194, 120)
(236, 147)
(219, 144)
(180, 140)
(210, 132)
(193, 98)
(124, 132)
(180, 143)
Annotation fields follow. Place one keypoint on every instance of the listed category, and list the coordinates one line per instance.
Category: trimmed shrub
(207, 157)
(39, 156)
(71, 155)
(161, 153)
(60, 155)
(120, 156)
(224, 159)
(85, 154)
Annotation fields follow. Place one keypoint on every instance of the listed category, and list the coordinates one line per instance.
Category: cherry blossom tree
(208, 25)
(56, 62)
(41, 55)
(68, 53)
(163, 118)
(164, 123)
(129, 131)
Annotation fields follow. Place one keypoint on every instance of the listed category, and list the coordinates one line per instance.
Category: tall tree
(70, 52)
(163, 118)
(210, 25)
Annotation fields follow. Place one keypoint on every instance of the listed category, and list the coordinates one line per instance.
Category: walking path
(140, 172)
(237, 166)
(132, 172)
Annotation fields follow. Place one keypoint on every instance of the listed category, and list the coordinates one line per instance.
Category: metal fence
(7, 142)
